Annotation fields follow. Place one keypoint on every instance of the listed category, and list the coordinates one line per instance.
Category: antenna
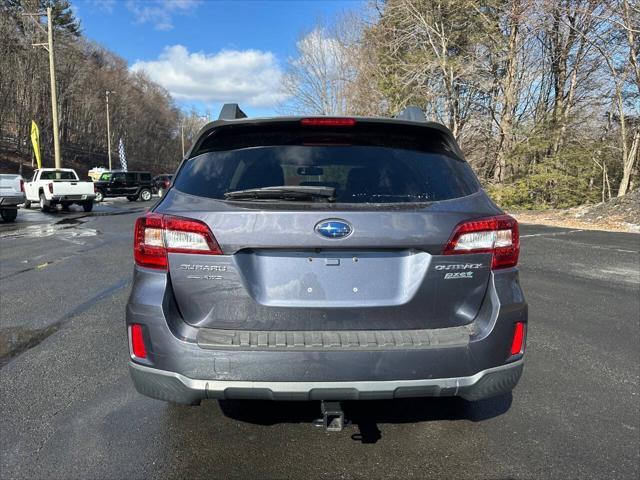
(231, 111)
(412, 114)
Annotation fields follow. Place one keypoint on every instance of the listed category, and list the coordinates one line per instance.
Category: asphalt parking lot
(69, 410)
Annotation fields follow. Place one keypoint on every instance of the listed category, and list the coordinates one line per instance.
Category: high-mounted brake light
(328, 122)
(496, 235)
(156, 235)
(136, 336)
(517, 344)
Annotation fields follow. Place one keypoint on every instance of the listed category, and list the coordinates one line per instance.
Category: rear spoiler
(231, 113)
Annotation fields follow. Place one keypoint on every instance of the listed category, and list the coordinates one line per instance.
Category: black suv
(132, 185)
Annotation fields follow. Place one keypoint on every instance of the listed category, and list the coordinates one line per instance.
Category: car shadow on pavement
(368, 414)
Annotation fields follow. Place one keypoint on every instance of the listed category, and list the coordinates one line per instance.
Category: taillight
(156, 235)
(328, 122)
(496, 235)
(22, 185)
(138, 348)
(517, 344)
(51, 188)
(166, 184)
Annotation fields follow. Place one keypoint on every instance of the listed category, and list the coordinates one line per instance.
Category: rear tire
(27, 204)
(99, 196)
(9, 215)
(145, 194)
(65, 207)
(45, 206)
(87, 207)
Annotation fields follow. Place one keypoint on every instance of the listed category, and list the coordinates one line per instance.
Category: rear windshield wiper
(294, 193)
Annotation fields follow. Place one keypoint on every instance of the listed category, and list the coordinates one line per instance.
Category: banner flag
(123, 157)
(35, 141)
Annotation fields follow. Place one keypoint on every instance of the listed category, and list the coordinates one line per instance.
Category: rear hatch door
(399, 193)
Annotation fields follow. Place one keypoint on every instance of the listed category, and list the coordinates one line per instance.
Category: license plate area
(332, 278)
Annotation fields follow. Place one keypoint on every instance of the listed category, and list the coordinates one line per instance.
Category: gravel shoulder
(616, 215)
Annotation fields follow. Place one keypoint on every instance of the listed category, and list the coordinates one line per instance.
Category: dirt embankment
(616, 215)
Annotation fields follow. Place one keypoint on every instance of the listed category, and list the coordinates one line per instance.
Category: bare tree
(630, 24)
(619, 24)
(504, 100)
(317, 78)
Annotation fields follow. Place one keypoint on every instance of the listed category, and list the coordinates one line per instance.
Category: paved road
(68, 409)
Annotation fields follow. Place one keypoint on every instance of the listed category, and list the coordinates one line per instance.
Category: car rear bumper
(183, 364)
(174, 387)
(72, 198)
(11, 201)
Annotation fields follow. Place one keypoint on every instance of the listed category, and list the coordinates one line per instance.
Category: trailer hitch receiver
(332, 417)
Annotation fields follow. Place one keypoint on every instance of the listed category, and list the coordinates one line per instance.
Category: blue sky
(207, 52)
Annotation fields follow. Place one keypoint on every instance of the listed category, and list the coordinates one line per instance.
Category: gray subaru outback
(325, 259)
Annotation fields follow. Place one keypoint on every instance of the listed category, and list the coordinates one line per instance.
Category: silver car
(11, 195)
(325, 259)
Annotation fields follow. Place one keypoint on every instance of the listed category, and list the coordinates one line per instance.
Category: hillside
(142, 113)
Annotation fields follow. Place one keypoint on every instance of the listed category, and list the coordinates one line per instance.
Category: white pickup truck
(51, 186)
(11, 195)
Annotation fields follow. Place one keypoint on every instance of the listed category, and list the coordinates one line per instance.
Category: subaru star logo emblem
(333, 228)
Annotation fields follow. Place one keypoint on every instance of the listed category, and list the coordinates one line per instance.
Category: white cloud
(250, 77)
(160, 12)
(103, 5)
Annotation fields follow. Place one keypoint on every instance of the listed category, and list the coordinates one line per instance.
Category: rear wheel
(99, 196)
(87, 207)
(45, 206)
(145, 195)
(9, 215)
(27, 204)
(65, 207)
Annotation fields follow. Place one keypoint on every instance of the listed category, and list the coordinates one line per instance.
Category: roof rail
(412, 114)
(231, 111)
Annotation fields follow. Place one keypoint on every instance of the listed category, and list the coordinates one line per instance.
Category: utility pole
(54, 94)
(52, 77)
(107, 92)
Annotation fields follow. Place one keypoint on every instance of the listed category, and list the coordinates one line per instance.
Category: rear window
(58, 175)
(381, 168)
